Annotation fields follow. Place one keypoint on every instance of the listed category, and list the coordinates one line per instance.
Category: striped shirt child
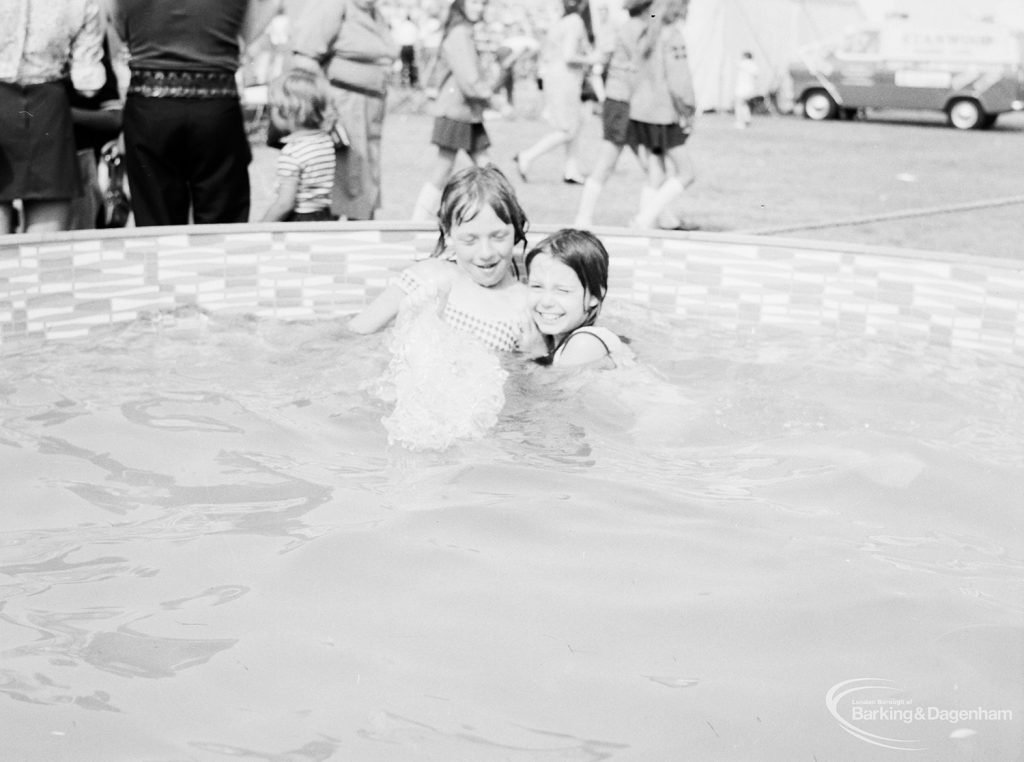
(309, 157)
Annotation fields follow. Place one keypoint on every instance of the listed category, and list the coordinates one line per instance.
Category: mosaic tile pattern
(67, 286)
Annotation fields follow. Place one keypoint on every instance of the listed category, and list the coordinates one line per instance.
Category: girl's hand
(531, 340)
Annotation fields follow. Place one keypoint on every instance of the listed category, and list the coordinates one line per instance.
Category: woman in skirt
(40, 41)
(621, 69)
(661, 111)
(567, 59)
(464, 93)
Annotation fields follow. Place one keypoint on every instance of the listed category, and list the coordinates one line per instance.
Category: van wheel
(818, 105)
(965, 114)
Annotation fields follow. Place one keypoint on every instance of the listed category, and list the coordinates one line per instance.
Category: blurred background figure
(186, 149)
(620, 72)
(97, 123)
(515, 47)
(566, 60)
(301, 110)
(350, 41)
(748, 88)
(42, 44)
(407, 35)
(463, 95)
(273, 48)
(661, 111)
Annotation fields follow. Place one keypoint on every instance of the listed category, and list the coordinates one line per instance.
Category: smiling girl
(471, 271)
(567, 277)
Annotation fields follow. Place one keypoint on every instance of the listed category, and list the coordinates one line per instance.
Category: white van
(973, 73)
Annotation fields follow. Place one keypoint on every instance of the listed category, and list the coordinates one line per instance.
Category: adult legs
(154, 160)
(218, 162)
(357, 174)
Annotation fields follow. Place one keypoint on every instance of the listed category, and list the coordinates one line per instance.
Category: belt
(368, 92)
(177, 83)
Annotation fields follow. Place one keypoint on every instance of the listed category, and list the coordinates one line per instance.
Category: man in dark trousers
(186, 150)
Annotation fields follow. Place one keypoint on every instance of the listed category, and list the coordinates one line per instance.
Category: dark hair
(470, 190)
(583, 253)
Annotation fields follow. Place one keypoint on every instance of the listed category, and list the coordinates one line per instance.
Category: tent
(719, 31)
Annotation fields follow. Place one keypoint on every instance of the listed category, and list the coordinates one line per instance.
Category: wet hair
(303, 98)
(584, 254)
(467, 192)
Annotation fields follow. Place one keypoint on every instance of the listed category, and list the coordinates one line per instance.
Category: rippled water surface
(209, 551)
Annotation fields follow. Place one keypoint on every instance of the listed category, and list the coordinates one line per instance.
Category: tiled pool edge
(71, 284)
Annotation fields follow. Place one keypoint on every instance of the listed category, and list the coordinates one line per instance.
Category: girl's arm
(430, 277)
(287, 189)
(460, 53)
(582, 348)
(677, 74)
(380, 312)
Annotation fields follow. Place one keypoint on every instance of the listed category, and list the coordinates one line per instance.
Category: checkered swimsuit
(502, 335)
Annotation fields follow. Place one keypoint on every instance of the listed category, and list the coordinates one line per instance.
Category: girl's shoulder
(590, 344)
(434, 273)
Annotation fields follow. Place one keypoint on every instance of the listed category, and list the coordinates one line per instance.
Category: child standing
(299, 107)
(661, 110)
(747, 88)
(472, 269)
(567, 277)
(464, 93)
(621, 69)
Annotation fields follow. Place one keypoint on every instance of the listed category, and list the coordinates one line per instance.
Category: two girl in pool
(551, 317)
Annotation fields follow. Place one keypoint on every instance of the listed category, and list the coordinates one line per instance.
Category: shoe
(519, 168)
(574, 180)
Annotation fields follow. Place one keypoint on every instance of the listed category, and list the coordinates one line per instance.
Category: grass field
(895, 179)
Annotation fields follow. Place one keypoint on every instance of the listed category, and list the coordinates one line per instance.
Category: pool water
(210, 551)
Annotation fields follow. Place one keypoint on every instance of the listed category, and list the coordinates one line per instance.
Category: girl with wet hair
(472, 273)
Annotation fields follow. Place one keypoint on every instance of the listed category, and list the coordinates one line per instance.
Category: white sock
(647, 217)
(426, 204)
(588, 203)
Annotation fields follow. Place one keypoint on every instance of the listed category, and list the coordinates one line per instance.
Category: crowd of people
(175, 119)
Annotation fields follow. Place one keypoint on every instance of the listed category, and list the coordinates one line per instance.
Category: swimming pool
(209, 551)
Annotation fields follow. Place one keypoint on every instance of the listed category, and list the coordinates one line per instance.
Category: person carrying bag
(350, 42)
